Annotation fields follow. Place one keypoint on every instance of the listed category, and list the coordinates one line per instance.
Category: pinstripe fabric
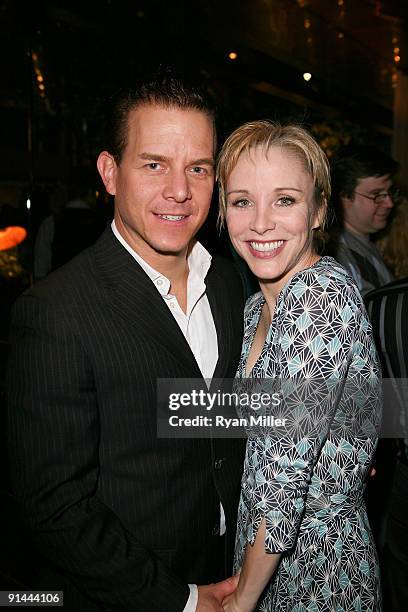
(388, 310)
(126, 519)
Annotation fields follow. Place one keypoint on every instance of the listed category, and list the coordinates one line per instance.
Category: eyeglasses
(380, 197)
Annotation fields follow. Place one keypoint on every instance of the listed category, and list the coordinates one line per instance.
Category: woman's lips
(265, 250)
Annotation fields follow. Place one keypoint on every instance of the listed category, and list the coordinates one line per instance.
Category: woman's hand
(230, 604)
(256, 571)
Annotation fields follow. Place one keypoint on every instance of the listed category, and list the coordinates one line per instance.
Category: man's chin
(380, 225)
(170, 250)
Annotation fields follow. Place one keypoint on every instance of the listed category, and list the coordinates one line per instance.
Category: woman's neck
(272, 288)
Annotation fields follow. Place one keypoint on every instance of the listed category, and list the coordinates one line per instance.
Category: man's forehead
(158, 123)
(375, 183)
(154, 128)
(158, 113)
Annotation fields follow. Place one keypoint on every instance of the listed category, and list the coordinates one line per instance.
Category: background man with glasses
(362, 190)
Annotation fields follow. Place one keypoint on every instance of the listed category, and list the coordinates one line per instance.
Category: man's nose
(389, 201)
(177, 187)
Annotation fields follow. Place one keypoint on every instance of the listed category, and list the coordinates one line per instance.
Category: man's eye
(153, 166)
(199, 170)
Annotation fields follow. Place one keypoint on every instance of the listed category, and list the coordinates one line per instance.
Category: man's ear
(107, 168)
(346, 202)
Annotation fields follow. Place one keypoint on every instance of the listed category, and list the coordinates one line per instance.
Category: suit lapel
(221, 311)
(133, 297)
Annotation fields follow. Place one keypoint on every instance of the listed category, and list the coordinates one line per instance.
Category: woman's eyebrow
(237, 191)
(276, 189)
(289, 188)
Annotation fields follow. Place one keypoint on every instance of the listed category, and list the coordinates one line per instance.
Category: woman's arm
(257, 570)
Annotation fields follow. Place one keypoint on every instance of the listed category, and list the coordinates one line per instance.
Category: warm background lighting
(307, 76)
(10, 237)
(233, 55)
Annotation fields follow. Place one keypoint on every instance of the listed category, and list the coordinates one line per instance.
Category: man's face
(164, 181)
(361, 214)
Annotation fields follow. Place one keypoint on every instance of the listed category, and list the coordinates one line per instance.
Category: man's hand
(211, 596)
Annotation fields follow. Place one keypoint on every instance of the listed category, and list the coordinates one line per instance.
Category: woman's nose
(262, 219)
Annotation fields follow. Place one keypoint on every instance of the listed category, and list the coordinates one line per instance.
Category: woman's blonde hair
(267, 134)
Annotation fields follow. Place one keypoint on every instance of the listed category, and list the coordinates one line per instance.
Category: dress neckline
(256, 314)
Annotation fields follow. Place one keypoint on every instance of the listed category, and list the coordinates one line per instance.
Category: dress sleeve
(320, 342)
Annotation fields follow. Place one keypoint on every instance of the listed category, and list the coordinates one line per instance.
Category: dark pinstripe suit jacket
(124, 519)
(388, 311)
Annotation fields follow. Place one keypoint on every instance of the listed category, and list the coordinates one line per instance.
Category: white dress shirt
(197, 325)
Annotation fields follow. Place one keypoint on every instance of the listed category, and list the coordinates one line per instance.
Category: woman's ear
(320, 215)
(107, 168)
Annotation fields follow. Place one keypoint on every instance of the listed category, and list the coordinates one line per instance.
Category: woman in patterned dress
(303, 538)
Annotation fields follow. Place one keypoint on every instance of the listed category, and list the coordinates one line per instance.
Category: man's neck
(175, 268)
(172, 266)
(356, 232)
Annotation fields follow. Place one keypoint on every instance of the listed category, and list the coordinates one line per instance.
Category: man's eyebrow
(205, 161)
(154, 156)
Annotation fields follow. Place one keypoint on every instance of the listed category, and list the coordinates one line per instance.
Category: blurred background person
(362, 181)
(63, 235)
(388, 311)
(393, 244)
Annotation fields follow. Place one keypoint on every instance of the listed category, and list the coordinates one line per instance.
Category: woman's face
(271, 213)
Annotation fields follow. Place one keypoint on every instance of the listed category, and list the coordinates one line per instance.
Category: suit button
(218, 464)
(216, 530)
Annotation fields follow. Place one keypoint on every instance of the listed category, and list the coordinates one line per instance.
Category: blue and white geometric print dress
(309, 489)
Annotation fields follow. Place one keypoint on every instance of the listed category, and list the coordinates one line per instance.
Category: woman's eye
(285, 201)
(243, 203)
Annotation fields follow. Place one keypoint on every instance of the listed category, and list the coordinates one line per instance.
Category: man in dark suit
(127, 520)
(388, 311)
